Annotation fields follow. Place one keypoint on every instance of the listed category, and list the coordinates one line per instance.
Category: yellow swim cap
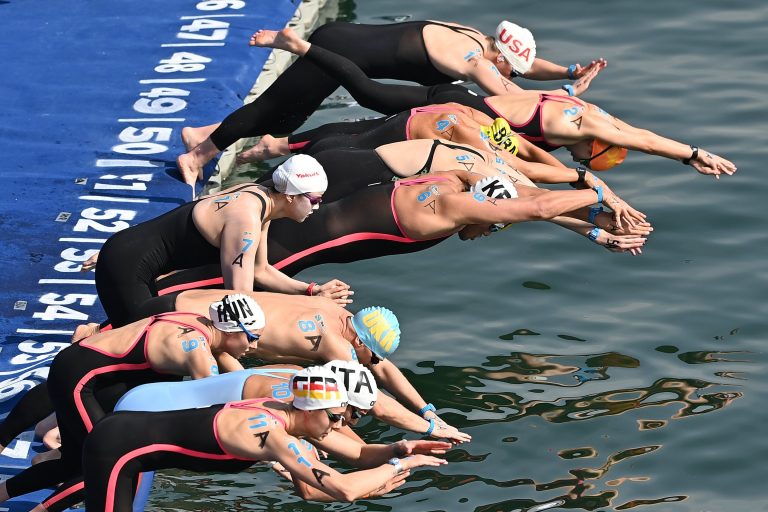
(501, 135)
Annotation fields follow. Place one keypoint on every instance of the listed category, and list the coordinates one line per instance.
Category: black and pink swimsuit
(121, 446)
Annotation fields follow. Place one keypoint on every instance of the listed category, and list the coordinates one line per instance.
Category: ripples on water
(588, 381)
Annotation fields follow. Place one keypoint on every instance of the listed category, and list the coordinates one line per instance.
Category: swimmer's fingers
(709, 163)
(452, 434)
(623, 243)
(582, 84)
(643, 228)
(336, 283)
(425, 447)
(624, 214)
(415, 461)
(392, 484)
(337, 291)
(595, 65)
(90, 263)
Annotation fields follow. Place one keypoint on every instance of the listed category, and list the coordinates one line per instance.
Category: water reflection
(471, 389)
(498, 392)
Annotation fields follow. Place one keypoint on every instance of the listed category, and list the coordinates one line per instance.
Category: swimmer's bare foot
(191, 163)
(188, 168)
(192, 136)
(49, 455)
(268, 147)
(286, 39)
(52, 439)
(85, 330)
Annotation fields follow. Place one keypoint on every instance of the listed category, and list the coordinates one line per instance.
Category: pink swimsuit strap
(252, 405)
(405, 183)
(428, 108)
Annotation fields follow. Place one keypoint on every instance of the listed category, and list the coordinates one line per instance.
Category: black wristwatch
(694, 155)
(582, 172)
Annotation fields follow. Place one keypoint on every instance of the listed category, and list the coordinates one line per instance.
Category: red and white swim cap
(517, 45)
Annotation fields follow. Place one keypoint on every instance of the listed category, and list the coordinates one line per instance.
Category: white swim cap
(359, 381)
(517, 45)
(495, 187)
(317, 387)
(235, 309)
(300, 174)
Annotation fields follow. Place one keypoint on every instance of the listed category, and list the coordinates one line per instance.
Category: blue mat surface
(93, 96)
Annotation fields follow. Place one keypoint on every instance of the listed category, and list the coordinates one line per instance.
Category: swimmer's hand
(620, 243)
(338, 291)
(90, 263)
(406, 448)
(415, 461)
(709, 163)
(585, 75)
(623, 213)
(445, 431)
(452, 434)
(581, 71)
(392, 484)
(640, 229)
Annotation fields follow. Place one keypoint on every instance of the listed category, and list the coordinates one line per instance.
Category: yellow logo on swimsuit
(380, 329)
(502, 136)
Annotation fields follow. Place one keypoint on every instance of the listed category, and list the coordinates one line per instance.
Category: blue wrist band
(568, 88)
(424, 410)
(431, 427)
(571, 71)
(599, 191)
(592, 235)
(593, 212)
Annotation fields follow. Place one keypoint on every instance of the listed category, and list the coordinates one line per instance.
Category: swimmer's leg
(384, 98)
(49, 455)
(33, 407)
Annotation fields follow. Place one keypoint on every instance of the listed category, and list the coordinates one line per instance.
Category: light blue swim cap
(378, 329)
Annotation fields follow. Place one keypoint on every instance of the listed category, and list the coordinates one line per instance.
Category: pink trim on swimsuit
(156, 319)
(537, 109)
(125, 459)
(408, 182)
(244, 404)
(297, 145)
(79, 486)
(428, 108)
(343, 240)
(93, 373)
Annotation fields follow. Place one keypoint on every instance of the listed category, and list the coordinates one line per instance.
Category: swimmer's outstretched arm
(615, 131)
(470, 209)
(335, 289)
(293, 455)
(531, 153)
(392, 379)
(614, 242)
(362, 455)
(391, 412)
(543, 69)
